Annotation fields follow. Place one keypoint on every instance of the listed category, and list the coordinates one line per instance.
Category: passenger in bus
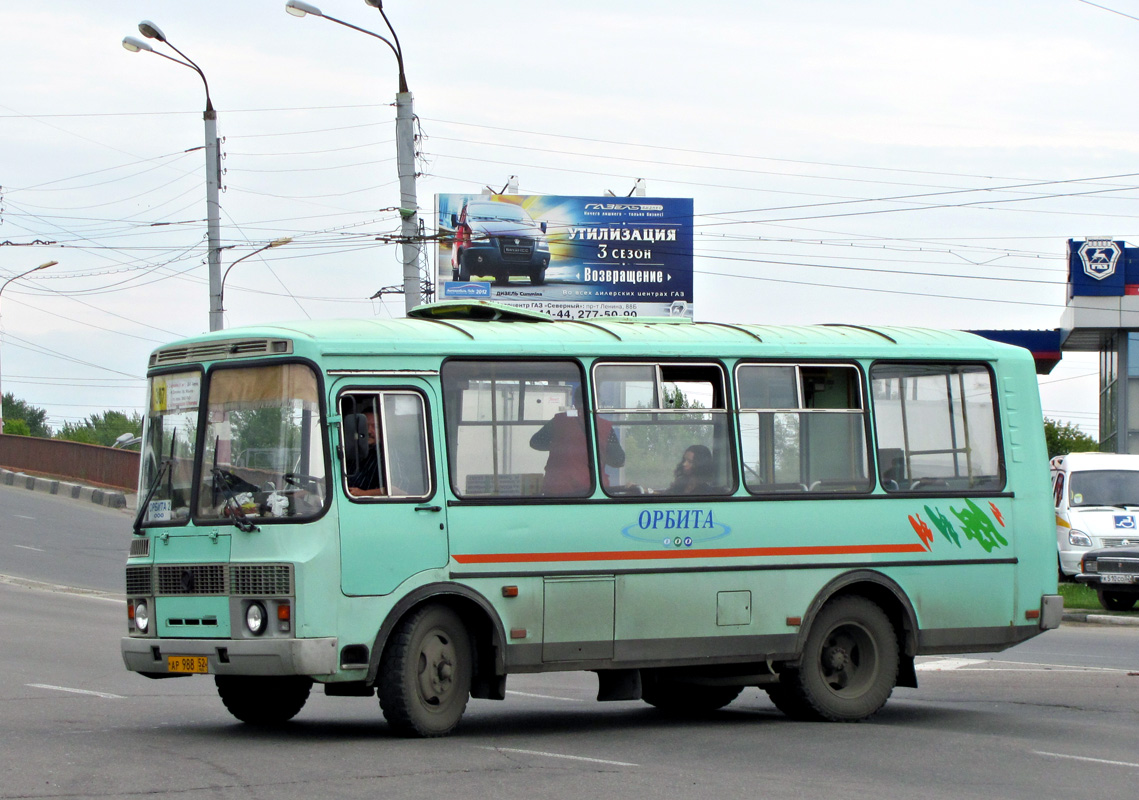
(567, 468)
(694, 473)
(365, 481)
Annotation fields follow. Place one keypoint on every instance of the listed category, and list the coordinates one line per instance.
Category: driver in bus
(365, 481)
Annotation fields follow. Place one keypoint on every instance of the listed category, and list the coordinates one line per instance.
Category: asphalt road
(1056, 717)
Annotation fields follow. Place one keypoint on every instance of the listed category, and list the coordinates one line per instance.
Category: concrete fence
(88, 463)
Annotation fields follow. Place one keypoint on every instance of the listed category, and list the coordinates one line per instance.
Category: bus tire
(676, 697)
(425, 673)
(264, 701)
(849, 664)
(1116, 601)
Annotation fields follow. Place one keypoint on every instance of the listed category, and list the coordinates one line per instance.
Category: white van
(1097, 504)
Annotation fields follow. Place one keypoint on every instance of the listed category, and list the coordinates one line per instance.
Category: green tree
(1064, 438)
(35, 418)
(102, 428)
(17, 427)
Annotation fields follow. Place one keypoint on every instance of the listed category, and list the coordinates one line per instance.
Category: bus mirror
(355, 441)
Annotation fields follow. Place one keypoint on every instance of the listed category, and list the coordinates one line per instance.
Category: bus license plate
(187, 664)
(1117, 578)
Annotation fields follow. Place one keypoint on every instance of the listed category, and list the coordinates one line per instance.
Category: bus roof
(490, 329)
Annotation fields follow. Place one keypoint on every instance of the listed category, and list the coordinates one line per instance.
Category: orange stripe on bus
(638, 555)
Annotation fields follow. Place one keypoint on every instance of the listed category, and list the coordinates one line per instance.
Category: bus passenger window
(392, 462)
(802, 428)
(671, 423)
(517, 429)
(937, 428)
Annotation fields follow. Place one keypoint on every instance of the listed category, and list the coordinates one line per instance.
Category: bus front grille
(247, 580)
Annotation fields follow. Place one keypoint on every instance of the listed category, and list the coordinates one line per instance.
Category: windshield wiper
(163, 468)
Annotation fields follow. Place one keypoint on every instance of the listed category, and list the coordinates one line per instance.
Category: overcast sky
(868, 162)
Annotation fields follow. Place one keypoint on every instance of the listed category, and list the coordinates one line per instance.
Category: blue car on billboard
(498, 240)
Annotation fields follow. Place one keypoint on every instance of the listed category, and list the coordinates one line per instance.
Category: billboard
(571, 257)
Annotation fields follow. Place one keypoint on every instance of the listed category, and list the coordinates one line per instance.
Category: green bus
(417, 508)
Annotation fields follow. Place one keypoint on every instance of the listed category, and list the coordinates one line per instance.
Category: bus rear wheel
(676, 697)
(425, 673)
(265, 701)
(849, 665)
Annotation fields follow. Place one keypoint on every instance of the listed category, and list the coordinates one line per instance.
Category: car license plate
(1117, 578)
(187, 664)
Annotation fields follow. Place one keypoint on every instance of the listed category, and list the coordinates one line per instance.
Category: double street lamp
(2, 288)
(213, 162)
(405, 150)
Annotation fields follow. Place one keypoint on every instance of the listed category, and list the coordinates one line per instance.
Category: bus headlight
(141, 616)
(1079, 539)
(255, 618)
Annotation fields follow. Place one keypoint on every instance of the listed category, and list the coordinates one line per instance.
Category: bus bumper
(233, 656)
(1051, 611)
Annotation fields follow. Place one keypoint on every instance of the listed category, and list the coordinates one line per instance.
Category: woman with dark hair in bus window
(694, 472)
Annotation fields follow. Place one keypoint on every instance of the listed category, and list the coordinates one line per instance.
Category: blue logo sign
(683, 527)
(476, 289)
(1125, 521)
(1099, 257)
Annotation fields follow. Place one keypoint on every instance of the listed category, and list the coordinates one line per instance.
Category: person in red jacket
(567, 468)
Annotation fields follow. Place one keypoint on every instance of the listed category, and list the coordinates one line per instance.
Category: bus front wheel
(849, 665)
(425, 673)
(264, 701)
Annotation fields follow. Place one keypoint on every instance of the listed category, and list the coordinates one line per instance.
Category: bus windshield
(169, 439)
(262, 454)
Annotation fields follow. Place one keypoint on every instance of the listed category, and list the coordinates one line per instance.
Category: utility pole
(408, 203)
(213, 215)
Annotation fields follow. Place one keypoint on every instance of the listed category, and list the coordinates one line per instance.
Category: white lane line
(21, 516)
(546, 696)
(995, 665)
(105, 695)
(945, 664)
(559, 755)
(29, 547)
(1086, 758)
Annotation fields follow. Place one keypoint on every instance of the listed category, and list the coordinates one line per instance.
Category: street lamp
(405, 150)
(2, 288)
(274, 243)
(213, 161)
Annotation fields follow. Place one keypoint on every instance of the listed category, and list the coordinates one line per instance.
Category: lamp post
(2, 288)
(221, 293)
(213, 162)
(405, 150)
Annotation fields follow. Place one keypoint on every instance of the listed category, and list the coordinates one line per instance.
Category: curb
(1099, 619)
(111, 498)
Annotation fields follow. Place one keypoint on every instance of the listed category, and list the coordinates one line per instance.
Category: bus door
(392, 514)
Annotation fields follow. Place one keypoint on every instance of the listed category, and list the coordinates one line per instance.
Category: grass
(1077, 595)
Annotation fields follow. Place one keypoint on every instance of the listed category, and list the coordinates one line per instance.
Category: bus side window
(394, 463)
(942, 419)
(670, 422)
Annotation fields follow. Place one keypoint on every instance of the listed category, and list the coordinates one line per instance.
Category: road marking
(546, 696)
(946, 664)
(1086, 758)
(93, 594)
(21, 516)
(28, 547)
(559, 755)
(105, 695)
